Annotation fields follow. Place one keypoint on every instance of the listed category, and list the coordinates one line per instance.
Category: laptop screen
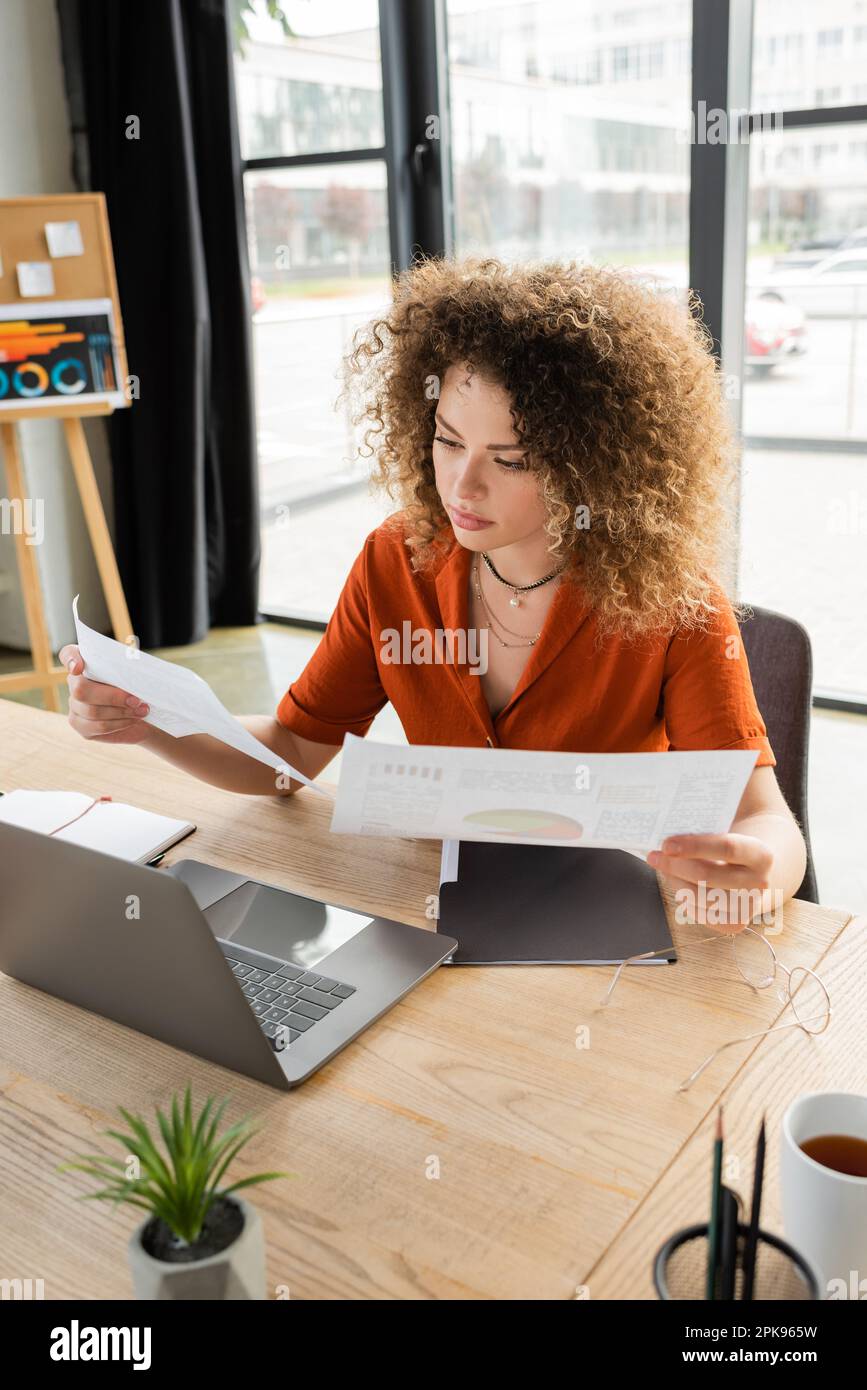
(279, 923)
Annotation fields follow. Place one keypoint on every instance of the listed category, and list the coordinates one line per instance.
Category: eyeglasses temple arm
(777, 1028)
(630, 960)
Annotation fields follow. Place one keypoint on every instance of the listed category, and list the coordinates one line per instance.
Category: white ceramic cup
(824, 1211)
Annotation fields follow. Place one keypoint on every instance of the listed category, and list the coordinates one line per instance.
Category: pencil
(728, 1244)
(713, 1224)
(753, 1234)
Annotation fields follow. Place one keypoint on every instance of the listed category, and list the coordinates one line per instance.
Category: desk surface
(493, 1136)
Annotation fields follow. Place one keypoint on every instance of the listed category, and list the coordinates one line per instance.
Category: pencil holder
(680, 1267)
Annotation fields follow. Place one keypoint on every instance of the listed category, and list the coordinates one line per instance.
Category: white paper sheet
(449, 861)
(180, 702)
(64, 239)
(630, 801)
(35, 278)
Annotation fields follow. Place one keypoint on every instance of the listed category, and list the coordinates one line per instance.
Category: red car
(773, 332)
(257, 294)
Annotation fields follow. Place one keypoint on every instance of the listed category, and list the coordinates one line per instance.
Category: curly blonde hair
(615, 395)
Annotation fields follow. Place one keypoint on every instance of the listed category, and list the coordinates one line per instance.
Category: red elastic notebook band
(95, 802)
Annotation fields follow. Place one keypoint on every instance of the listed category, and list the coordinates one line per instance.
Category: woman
(557, 442)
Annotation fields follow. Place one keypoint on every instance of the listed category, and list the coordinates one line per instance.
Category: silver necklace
(514, 601)
(525, 643)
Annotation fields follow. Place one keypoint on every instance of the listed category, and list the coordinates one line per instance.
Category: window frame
(719, 207)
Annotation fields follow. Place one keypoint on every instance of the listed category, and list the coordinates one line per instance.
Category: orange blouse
(685, 691)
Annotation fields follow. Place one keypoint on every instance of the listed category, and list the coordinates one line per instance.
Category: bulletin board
(61, 334)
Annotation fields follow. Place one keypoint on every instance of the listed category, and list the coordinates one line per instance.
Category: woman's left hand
(740, 865)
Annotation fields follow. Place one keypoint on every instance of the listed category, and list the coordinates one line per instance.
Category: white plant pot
(238, 1272)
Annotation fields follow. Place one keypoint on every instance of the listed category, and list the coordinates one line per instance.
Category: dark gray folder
(552, 905)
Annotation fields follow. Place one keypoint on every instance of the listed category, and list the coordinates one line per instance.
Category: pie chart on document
(520, 821)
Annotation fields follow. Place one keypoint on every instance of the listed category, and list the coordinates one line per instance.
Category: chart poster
(59, 353)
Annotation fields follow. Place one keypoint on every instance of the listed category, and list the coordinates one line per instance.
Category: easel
(89, 276)
(44, 673)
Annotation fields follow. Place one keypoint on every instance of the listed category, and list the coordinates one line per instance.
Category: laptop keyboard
(287, 1000)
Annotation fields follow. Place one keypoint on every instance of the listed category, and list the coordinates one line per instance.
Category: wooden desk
(560, 1168)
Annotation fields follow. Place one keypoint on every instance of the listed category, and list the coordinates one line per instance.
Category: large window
(318, 237)
(804, 501)
(567, 130)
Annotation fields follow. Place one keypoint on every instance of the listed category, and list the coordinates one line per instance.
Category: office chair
(781, 665)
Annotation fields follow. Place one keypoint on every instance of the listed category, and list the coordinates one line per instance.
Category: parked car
(802, 257)
(835, 287)
(856, 238)
(811, 250)
(774, 332)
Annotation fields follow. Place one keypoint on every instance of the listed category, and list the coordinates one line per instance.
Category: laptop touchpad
(278, 923)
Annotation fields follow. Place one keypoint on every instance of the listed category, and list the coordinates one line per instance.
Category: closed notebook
(109, 826)
(550, 905)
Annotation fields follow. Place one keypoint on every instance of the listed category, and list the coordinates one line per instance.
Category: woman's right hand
(102, 711)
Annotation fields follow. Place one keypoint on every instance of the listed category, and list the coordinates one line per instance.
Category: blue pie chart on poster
(61, 372)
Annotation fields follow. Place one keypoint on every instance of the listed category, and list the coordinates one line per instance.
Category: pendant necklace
(514, 601)
(527, 642)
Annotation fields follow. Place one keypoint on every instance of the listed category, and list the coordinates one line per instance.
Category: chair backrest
(781, 665)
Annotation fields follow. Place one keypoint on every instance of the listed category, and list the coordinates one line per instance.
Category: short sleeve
(708, 697)
(339, 691)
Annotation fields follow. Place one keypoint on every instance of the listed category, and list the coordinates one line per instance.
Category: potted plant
(198, 1241)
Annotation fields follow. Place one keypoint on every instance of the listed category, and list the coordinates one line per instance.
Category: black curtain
(152, 105)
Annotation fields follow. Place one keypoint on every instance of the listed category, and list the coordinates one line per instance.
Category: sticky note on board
(35, 278)
(64, 239)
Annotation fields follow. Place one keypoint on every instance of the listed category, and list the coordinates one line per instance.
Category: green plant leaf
(188, 1120)
(229, 1144)
(233, 1152)
(149, 1149)
(150, 1160)
(202, 1121)
(166, 1132)
(176, 1125)
(217, 1118)
(107, 1195)
(138, 1188)
(87, 1161)
(249, 1182)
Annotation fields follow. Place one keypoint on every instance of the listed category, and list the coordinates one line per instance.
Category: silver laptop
(263, 981)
